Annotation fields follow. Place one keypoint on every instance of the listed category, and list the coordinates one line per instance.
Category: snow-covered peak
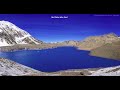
(10, 28)
(10, 34)
(7, 24)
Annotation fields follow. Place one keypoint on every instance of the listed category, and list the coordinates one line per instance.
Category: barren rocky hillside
(111, 50)
(97, 41)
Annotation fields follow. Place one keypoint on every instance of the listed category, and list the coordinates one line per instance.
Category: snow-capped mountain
(10, 34)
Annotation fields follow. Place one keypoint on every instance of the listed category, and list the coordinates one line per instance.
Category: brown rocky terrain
(111, 50)
(97, 41)
(37, 46)
(70, 43)
(28, 47)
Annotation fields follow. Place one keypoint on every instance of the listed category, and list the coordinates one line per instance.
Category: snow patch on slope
(6, 24)
(4, 43)
(10, 68)
(19, 39)
(110, 71)
(0, 30)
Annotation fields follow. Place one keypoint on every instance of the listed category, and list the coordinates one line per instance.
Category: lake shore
(33, 47)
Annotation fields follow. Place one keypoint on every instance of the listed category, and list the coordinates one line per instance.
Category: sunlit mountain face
(62, 27)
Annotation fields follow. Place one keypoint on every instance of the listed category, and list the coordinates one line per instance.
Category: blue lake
(61, 58)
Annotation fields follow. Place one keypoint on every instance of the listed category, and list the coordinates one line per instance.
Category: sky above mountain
(74, 27)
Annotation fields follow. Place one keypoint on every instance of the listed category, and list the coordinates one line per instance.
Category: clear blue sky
(75, 27)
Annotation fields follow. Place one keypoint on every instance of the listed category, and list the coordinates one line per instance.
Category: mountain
(111, 50)
(68, 43)
(71, 42)
(10, 34)
(93, 42)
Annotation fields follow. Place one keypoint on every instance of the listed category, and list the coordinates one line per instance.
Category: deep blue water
(61, 58)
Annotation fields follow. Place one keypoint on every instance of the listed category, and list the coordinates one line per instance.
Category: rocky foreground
(10, 68)
(109, 71)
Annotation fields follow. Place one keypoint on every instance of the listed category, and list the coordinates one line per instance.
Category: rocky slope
(70, 43)
(111, 50)
(97, 41)
(10, 34)
(11, 68)
(109, 71)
